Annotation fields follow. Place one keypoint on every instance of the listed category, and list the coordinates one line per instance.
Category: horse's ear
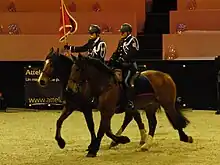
(51, 50)
(58, 51)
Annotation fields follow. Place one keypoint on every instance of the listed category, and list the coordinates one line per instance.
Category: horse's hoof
(89, 148)
(187, 139)
(190, 139)
(143, 136)
(146, 146)
(113, 144)
(142, 149)
(61, 143)
(91, 155)
(124, 140)
(141, 143)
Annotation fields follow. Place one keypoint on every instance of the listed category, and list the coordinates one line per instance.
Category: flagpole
(63, 18)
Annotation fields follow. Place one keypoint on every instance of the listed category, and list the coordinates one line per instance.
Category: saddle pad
(142, 85)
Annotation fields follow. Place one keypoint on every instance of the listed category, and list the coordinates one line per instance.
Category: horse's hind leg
(105, 127)
(184, 137)
(152, 124)
(137, 118)
(178, 121)
(127, 119)
(65, 113)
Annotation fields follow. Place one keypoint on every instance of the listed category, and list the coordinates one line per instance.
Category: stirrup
(130, 104)
(69, 89)
(93, 100)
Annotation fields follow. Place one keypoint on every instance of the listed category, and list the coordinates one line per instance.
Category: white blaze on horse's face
(43, 78)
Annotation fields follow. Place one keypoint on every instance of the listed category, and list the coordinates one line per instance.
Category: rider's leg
(130, 92)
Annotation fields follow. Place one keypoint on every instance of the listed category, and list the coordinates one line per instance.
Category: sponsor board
(36, 95)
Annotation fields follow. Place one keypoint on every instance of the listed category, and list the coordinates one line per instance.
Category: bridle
(45, 72)
(80, 82)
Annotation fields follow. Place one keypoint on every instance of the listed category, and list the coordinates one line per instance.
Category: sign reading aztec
(36, 95)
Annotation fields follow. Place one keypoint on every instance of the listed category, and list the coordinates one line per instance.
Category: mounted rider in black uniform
(125, 53)
(95, 46)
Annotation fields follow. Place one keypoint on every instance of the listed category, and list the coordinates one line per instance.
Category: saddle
(119, 78)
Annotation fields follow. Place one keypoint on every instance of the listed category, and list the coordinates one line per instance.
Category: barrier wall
(36, 47)
(193, 45)
(200, 4)
(195, 20)
(48, 23)
(196, 83)
(122, 6)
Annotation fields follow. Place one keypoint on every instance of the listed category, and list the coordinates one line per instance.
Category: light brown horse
(164, 95)
(103, 84)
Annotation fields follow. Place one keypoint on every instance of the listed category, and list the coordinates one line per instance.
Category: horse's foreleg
(90, 124)
(127, 119)
(65, 113)
(129, 115)
(105, 127)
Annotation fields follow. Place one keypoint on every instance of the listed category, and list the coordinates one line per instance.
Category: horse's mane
(99, 65)
(60, 54)
(61, 62)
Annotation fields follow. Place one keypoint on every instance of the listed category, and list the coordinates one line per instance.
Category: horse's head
(55, 65)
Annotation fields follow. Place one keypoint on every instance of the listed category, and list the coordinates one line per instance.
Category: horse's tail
(174, 110)
(175, 116)
(167, 97)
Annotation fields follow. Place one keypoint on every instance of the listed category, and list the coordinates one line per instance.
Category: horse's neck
(99, 82)
(64, 76)
(63, 81)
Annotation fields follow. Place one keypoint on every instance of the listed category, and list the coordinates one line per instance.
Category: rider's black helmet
(94, 29)
(126, 28)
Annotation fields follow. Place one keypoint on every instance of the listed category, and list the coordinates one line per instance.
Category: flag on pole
(68, 24)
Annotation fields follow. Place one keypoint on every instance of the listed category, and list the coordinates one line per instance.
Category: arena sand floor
(27, 138)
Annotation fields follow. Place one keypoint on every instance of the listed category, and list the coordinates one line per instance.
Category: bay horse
(104, 85)
(59, 66)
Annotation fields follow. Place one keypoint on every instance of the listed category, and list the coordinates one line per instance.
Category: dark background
(196, 83)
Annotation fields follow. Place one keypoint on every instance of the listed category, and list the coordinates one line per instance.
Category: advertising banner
(36, 95)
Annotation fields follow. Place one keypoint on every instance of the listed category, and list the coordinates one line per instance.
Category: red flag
(68, 24)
